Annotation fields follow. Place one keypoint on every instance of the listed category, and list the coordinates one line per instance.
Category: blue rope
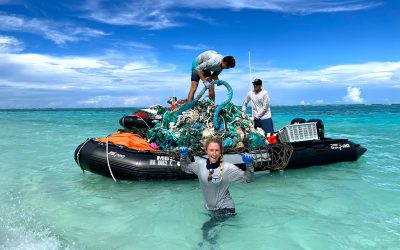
(217, 119)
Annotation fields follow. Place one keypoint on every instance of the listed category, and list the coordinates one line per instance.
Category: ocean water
(46, 202)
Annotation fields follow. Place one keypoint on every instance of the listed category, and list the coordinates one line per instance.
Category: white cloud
(35, 71)
(132, 44)
(293, 6)
(151, 14)
(129, 77)
(304, 103)
(370, 73)
(367, 72)
(10, 44)
(132, 101)
(192, 47)
(353, 95)
(117, 101)
(140, 101)
(396, 76)
(109, 101)
(59, 33)
(160, 14)
(139, 66)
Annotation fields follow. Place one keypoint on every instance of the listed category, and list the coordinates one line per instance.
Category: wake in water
(20, 230)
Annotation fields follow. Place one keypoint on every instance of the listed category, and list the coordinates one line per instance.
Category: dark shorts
(266, 124)
(195, 76)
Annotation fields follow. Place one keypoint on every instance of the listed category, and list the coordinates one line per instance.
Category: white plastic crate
(299, 132)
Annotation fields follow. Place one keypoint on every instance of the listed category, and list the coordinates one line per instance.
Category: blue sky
(94, 53)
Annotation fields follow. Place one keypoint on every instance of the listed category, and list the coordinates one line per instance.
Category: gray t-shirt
(216, 195)
(210, 60)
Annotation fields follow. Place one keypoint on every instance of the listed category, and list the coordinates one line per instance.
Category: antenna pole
(249, 67)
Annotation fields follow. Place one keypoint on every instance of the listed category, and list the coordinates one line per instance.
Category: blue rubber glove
(184, 151)
(208, 84)
(248, 160)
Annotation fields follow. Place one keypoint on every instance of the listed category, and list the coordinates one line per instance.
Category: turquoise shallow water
(47, 203)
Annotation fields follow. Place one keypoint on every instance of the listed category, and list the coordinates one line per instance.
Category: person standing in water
(206, 67)
(215, 176)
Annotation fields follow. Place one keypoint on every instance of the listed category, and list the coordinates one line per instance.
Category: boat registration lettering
(340, 146)
(162, 161)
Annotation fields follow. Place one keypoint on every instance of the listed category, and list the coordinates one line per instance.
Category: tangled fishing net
(192, 123)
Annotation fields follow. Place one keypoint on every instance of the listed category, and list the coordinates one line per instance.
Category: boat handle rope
(78, 155)
(108, 161)
(140, 118)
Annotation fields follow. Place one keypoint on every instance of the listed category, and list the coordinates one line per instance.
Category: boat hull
(126, 164)
(328, 151)
(131, 122)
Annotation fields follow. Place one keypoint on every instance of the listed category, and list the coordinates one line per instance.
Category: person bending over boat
(215, 176)
(207, 66)
(260, 107)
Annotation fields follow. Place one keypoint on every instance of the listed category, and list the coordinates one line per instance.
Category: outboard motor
(298, 120)
(320, 128)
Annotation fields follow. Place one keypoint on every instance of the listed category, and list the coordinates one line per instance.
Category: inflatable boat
(149, 150)
(123, 163)
(143, 118)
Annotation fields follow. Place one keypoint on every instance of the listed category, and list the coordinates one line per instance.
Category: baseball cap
(257, 82)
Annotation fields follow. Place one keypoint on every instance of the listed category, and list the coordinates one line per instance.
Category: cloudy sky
(138, 53)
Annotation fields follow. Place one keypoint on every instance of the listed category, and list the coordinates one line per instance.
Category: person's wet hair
(230, 61)
(214, 139)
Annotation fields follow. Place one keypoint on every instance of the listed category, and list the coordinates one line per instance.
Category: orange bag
(128, 140)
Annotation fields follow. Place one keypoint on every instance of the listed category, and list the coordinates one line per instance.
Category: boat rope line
(108, 161)
(78, 155)
(140, 118)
